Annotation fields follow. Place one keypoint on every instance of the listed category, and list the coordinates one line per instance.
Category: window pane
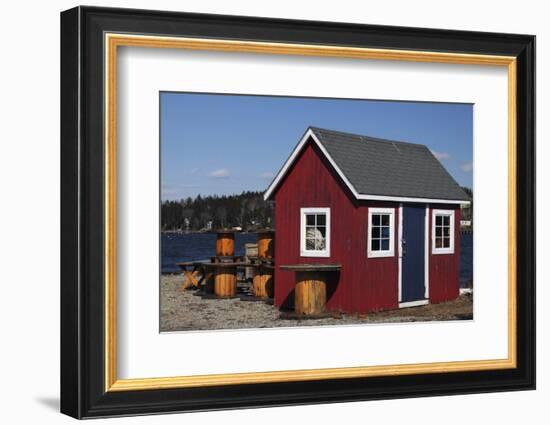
(320, 244)
(321, 219)
(446, 242)
(375, 245)
(438, 231)
(446, 231)
(385, 244)
(385, 220)
(310, 232)
(376, 219)
(446, 220)
(375, 232)
(315, 229)
(385, 232)
(438, 242)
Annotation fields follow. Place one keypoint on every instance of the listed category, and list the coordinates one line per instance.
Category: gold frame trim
(113, 41)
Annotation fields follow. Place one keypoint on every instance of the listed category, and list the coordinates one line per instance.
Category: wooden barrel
(225, 282)
(225, 244)
(311, 293)
(263, 283)
(266, 244)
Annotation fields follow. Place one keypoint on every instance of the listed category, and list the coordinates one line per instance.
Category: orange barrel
(311, 293)
(266, 244)
(263, 282)
(225, 282)
(225, 244)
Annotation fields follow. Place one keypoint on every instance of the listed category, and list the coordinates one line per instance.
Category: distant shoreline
(183, 232)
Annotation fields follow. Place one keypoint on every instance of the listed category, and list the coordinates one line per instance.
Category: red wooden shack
(387, 211)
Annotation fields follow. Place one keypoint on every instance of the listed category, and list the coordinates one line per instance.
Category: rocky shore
(183, 310)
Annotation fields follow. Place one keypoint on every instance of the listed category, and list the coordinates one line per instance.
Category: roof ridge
(369, 138)
(413, 174)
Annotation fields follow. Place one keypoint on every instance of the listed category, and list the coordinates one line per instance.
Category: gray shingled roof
(389, 168)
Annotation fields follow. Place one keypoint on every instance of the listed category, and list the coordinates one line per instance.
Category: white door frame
(427, 254)
(400, 254)
(426, 261)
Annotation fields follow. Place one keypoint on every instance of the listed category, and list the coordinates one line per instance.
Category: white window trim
(391, 251)
(311, 253)
(451, 249)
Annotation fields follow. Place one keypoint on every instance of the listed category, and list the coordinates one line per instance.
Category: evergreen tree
(247, 210)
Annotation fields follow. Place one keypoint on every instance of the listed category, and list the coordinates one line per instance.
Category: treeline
(247, 210)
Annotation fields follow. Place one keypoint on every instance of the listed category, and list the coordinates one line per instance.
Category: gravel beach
(183, 310)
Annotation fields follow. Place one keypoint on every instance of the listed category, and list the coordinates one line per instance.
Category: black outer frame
(82, 203)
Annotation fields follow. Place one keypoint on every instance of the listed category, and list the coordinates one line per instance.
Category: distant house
(387, 211)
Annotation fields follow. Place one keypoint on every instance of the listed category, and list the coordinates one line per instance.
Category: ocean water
(179, 247)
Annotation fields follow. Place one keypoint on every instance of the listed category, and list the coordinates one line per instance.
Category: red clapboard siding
(363, 284)
(445, 268)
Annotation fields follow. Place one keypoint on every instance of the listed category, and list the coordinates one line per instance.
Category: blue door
(412, 271)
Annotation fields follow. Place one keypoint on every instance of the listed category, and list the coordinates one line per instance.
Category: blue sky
(224, 144)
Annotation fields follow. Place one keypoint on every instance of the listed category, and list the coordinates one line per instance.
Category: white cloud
(467, 166)
(267, 175)
(222, 173)
(441, 156)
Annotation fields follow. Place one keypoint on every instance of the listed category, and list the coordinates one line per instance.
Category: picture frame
(90, 38)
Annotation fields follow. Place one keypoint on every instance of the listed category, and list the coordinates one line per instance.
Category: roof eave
(366, 197)
(311, 134)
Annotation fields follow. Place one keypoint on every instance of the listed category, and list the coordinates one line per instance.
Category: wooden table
(226, 258)
(311, 287)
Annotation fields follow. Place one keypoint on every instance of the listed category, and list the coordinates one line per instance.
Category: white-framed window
(443, 231)
(381, 241)
(315, 232)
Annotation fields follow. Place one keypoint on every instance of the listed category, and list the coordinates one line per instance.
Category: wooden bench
(193, 273)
